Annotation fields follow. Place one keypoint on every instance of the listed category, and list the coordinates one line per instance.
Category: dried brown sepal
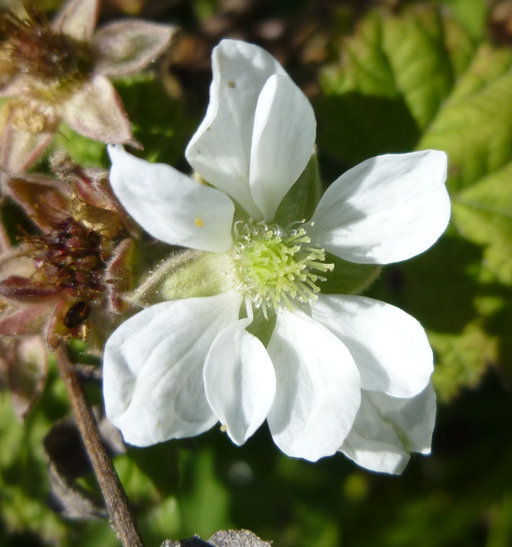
(44, 199)
(24, 289)
(119, 276)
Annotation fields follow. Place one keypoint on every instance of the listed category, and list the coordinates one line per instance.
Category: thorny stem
(122, 519)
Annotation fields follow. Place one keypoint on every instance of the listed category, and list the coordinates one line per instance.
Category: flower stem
(122, 519)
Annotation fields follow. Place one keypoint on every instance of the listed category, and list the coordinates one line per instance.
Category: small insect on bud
(76, 314)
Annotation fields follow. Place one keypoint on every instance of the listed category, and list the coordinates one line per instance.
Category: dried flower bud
(52, 60)
(76, 267)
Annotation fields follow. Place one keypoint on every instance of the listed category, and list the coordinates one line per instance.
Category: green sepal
(261, 326)
(184, 274)
(302, 198)
(348, 277)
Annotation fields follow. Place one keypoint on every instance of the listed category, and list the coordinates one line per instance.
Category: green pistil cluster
(276, 267)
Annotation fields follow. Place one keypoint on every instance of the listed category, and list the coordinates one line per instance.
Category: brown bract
(59, 71)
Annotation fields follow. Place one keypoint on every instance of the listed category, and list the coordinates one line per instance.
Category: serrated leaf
(483, 214)
(475, 128)
(393, 77)
(441, 90)
(475, 123)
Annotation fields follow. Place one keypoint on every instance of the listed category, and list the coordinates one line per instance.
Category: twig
(121, 518)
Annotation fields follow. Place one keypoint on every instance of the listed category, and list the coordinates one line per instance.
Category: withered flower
(59, 70)
(73, 272)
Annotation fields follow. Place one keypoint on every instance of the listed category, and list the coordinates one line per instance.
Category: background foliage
(383, 77)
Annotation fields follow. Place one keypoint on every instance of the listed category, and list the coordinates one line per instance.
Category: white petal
(239, 381)
(386, 209)
(171, 206)
(387, 430)
(318, 388)
(283, 139)
(220, 148)
(153, 368)
(389, 347)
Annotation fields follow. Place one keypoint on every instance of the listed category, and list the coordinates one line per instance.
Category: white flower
(339, 372)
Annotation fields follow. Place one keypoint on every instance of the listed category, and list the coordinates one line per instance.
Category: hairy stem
(122, 519)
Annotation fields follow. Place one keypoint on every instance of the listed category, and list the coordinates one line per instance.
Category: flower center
(276, 267)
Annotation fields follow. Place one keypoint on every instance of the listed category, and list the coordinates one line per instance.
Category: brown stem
(121, 518)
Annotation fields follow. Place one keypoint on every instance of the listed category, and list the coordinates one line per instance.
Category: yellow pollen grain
(199, 222)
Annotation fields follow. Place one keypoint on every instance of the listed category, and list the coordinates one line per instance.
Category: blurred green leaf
(24, 483)
(471, 14)
(81, 149)
(161, 124)
(205, 500)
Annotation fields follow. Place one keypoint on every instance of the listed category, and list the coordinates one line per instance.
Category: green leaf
(24, 483)
(393, 77)
(161, 124)
(475, 128)
(420, 80)
(474, 125)
(81, 149)
(483, 213)
(471, 14)
(205, 499)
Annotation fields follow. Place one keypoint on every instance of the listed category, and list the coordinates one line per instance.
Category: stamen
(276, 267)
